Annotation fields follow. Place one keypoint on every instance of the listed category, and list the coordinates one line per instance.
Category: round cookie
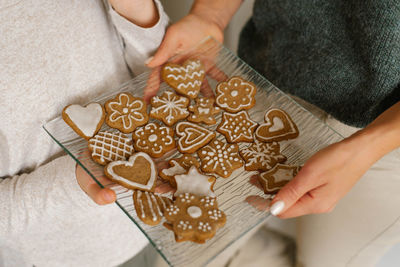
(126, 112)
(85, 121)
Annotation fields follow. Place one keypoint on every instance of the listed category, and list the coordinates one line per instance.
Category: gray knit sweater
(341, 55)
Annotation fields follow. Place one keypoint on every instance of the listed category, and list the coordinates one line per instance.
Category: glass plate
(231, 192)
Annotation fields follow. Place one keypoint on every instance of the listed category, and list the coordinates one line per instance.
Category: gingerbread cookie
(195, 183)
(194, 218)
(186, 79)
(278, 126)
(169, 108)
(154, 139)
(236, 94)
(139, 172)
(261, 156)
(107, 146)
(178, 166)
(150, 207)
(85, 121)
(220, 158)
(237, 127)
(204, 111)
(192, 137)
(126, 112)
(276, 178)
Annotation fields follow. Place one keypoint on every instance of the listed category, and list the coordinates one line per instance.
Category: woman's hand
(101, 196)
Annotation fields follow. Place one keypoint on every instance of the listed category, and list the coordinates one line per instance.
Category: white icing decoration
(173, 105)
(221, 99)
(204, 111)
(175, 169)
(292, 129)
(142, 143)
(185, 130)
(189, 67)
(186, 76)
(132, 116)
(153, 138)
(233, 127)
(234, 93)
(110, 143)
(191, 84)
(151, 208)
(194, 182)
(139, 200)
(194, 212)
(130, 163)
(277, 124)
(263, 153)
(86, 119)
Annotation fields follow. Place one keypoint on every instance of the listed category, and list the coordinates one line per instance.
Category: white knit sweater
(54, 53)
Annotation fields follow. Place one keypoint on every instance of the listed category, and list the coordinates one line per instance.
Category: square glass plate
(231, 192)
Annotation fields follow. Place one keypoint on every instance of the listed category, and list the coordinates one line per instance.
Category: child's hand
(185, 34)
(101, 196)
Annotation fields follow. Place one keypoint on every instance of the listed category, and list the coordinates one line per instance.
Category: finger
(292, 192)
(166, 50)
(101, 196)
(206, 89)
(152, 85)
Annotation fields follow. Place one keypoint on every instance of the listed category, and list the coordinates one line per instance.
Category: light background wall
(176, 9)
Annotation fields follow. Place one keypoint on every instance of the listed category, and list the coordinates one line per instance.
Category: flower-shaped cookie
(194, 218)
(126, 112)
(154, 139)
(169, 108)
(236, 94)
(220, 158)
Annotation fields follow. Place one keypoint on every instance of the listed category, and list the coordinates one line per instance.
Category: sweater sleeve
(26, 198)
(139, 43)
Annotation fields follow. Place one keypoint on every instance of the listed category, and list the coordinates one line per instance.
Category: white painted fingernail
(277, 207)
(148, 60)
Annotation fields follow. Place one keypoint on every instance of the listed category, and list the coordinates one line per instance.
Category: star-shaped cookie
(276, 178)
(237, 127)
(195, 183)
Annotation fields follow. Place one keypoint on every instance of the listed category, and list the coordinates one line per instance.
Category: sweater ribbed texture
(340, 55)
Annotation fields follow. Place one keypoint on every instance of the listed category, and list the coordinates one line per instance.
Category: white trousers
(366, 222)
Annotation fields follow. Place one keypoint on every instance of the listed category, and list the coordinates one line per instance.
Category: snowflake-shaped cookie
(194, 218)
(195, 183)
(126, 112)
(154, 139)
(169, 108)
(236, 94)
(237, 127)
(261, 156)
(204, 111)
(220, 158)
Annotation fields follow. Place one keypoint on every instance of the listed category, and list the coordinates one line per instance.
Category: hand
(325, 178)
(185, 34)
(101, 196)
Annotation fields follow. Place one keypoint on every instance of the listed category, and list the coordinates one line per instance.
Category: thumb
(166, 50)
(289, 194)
(101, 196)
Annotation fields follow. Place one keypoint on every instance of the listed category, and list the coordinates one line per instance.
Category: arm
(206, 18)
(329, 174)
(141, 24)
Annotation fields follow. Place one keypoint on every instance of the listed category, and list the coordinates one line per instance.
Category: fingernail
(148, 60)
(108, 197)
(277, 207)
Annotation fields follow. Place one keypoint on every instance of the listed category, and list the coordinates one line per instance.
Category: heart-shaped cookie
(186, 79)
(139, 172)
(192, 137)
(85, 121)
(278, 126)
